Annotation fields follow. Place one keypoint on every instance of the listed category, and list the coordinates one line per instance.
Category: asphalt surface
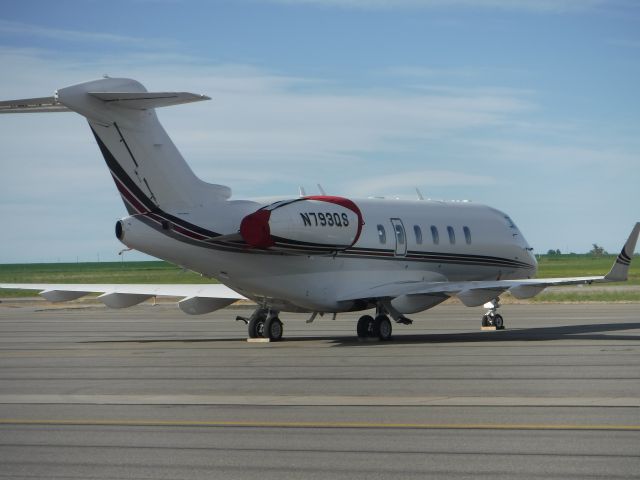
(149, 393)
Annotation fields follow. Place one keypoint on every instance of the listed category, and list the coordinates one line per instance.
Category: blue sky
(530, 106)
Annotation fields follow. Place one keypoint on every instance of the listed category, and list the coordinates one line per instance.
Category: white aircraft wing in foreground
(197, 299)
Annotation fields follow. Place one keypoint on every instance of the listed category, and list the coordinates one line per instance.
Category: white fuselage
(486, 246)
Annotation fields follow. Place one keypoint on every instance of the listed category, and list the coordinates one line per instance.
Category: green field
(163, 272)
(94, 272)
(583, 266)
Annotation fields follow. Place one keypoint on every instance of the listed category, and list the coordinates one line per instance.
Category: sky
(531, 106)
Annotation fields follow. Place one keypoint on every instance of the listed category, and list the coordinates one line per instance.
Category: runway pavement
(149, 393)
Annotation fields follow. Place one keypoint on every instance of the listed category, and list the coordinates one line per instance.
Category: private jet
(311, 254)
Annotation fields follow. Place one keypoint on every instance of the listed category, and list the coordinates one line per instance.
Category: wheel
(498, 321)
(381, 328)
(485, 320)
(256, 326)
(364, 325)
(273, 329)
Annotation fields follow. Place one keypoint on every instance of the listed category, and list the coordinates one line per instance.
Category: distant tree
(597, 250)
(554, 252)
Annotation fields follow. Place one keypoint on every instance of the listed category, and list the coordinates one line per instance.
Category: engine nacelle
(136, 233)
(316, 224)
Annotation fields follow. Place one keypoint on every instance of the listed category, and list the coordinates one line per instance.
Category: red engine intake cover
(255, 230)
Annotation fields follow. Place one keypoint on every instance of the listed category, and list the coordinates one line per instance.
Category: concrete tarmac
(149, 393)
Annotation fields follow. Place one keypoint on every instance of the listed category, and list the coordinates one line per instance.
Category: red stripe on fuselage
(176, 228)
(133, 201)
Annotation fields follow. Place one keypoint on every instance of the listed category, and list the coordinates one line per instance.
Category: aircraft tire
(382, 328)
(364, 326)
(485, 320)
(498, 321)
(273, 329)
(256, 327)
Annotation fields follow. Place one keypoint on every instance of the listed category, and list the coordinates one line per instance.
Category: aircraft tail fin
(146, 166)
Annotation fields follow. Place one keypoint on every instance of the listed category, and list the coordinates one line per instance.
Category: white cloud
(387, 184)
(583, 154)
(76, 36)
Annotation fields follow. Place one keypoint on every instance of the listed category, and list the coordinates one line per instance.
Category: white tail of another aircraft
(148, 169)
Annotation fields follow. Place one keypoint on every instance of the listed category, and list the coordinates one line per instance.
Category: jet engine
(315, 224)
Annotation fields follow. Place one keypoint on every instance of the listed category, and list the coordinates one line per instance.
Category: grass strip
(549, 266)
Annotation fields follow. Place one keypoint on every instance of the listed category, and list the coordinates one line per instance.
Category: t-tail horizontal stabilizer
(146, 100)
(33, 105)
(131, 100)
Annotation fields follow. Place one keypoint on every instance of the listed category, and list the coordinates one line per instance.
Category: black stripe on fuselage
(443, 259)
(300, 245)
(412, 255)
(434, 257)
(118, 172)
(121, 175)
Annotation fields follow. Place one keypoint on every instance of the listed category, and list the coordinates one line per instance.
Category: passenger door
(401, 237)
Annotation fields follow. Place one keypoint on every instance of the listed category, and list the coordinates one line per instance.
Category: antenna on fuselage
(420, 197)
(321, 189)
(301, 192)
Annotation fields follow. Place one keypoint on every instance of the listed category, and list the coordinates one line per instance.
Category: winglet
(620, 269)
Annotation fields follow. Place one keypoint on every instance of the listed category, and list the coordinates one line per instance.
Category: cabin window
(452, 235)
(418, 232)
(435, 235)
(382, 235)
(467, 235)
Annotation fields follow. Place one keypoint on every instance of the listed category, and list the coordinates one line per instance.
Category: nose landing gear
(491, 319)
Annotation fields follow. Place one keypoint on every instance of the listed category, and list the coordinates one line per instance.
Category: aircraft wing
(475, 293)
(196, 298)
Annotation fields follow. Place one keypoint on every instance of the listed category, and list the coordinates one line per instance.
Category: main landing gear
(378, 327)
(264, 323)
(492, 318)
